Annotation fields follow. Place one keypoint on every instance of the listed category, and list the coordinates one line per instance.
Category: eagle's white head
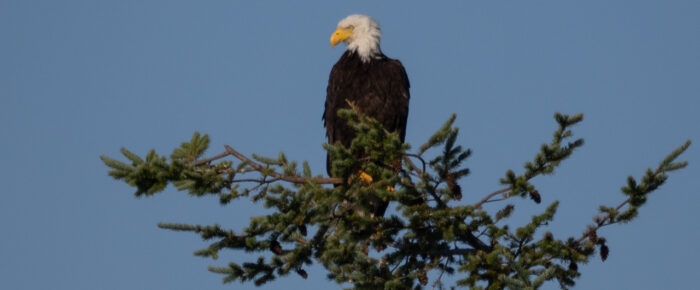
(361, 34)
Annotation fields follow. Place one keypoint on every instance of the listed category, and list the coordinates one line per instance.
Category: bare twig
(607, 218)
(252, 180)
(420, 172)
(204, 161)
(437, 281)
(453, 252)
(277, 176)
(485, 199)
(254, 166)
(602, 223)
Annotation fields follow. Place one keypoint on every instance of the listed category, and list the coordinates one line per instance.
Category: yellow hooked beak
(340, 35)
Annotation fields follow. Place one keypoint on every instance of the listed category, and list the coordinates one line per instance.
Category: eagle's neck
(366, 44)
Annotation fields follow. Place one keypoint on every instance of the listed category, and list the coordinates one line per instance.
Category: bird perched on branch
(377, 85)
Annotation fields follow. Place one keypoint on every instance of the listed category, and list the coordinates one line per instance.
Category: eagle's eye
(351, 27)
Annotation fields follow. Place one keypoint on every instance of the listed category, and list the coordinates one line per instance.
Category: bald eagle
(376, 84)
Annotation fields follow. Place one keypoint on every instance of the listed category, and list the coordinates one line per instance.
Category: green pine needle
(439, 136)
(131, 156)
(667, 163)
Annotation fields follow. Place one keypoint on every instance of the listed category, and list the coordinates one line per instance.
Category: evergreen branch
(546, 275)
(544, 162)
(264, 170)
(429, 234)
(605, 221)
(668, 161)
(277, 176)
(131, 156)
(439, 136)
(190, 151)
(637, 197)
(438, 200)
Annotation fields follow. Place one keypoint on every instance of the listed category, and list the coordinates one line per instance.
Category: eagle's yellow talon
(365, 178)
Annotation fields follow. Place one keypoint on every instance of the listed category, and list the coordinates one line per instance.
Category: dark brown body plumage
(379, 88)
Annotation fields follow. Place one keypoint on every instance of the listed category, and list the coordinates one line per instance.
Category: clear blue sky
(79, 79)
